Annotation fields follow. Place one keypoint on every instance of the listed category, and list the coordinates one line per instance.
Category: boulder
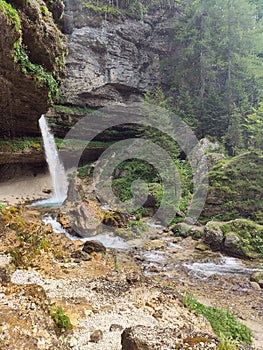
(80, 255)
(233, 244)
(96, 336)
(213, 235)
(6, 268)
(185, 230)
(115, 218)
(204, 156)
(257, 277)
(155, 338)
(239, 238)
(82, 218)
(94, 247)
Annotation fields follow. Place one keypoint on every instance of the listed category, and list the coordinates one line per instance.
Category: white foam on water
(227, 266)
(107, 240)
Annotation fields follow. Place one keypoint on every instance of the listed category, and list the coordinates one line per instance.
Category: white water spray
(56, 169)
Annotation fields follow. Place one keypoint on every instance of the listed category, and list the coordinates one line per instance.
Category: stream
(107, 240)
(213, 278)
(168, 254)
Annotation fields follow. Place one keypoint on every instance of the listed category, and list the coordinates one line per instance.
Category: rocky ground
(114, 299)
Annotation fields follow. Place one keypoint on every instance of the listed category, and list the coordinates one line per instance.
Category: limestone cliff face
(112, 57)
(32, 48)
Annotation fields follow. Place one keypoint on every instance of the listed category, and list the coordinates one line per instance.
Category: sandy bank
(24, 189)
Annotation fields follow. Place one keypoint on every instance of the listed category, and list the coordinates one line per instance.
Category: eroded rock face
(23, 96)
(17, 164)
(114, 58)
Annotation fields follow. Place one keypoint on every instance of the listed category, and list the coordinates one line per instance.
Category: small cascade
(106, 239)
(56, 168)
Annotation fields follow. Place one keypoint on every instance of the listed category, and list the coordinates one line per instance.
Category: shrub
(62, 321)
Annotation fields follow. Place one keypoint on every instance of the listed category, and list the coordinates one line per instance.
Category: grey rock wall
(112, 58)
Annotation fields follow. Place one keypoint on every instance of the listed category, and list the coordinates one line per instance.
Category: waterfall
(56, 168)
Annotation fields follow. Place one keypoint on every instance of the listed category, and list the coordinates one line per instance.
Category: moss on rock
(235, 189)
(32, 63)
(241, 238)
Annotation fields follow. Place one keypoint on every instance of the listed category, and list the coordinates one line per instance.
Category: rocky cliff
(114, 56)
(31, 61)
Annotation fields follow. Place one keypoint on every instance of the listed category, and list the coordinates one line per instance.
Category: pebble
(255, 285)
(96, 336)
(116, 327)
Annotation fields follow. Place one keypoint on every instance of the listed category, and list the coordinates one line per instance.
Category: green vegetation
(236, 184)
(224, 324)
(21, 56)
(31, 236)
(73, 109)
(131, 170)
(78, 144)
(254, 127)
(84, 171)
(152, 183)
(11, 14)
(36, 70)
(62, 321)
(228, 344)
(137, 226)
(2, 206)
(44, 10)
(215, 84)
(250, 233)
(101, 8)
(21, 144)
(134, 8)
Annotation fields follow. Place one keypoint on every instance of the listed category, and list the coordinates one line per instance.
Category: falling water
(56, 169)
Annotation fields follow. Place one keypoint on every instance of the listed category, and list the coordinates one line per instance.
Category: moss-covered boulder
(240, 238)
(236, 189)
(184, 230)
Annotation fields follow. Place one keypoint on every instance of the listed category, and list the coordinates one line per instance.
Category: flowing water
(56, 168)
(226, 266)
(106, 239)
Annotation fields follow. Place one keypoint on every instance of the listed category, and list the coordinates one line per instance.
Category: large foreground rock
(153, 338)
